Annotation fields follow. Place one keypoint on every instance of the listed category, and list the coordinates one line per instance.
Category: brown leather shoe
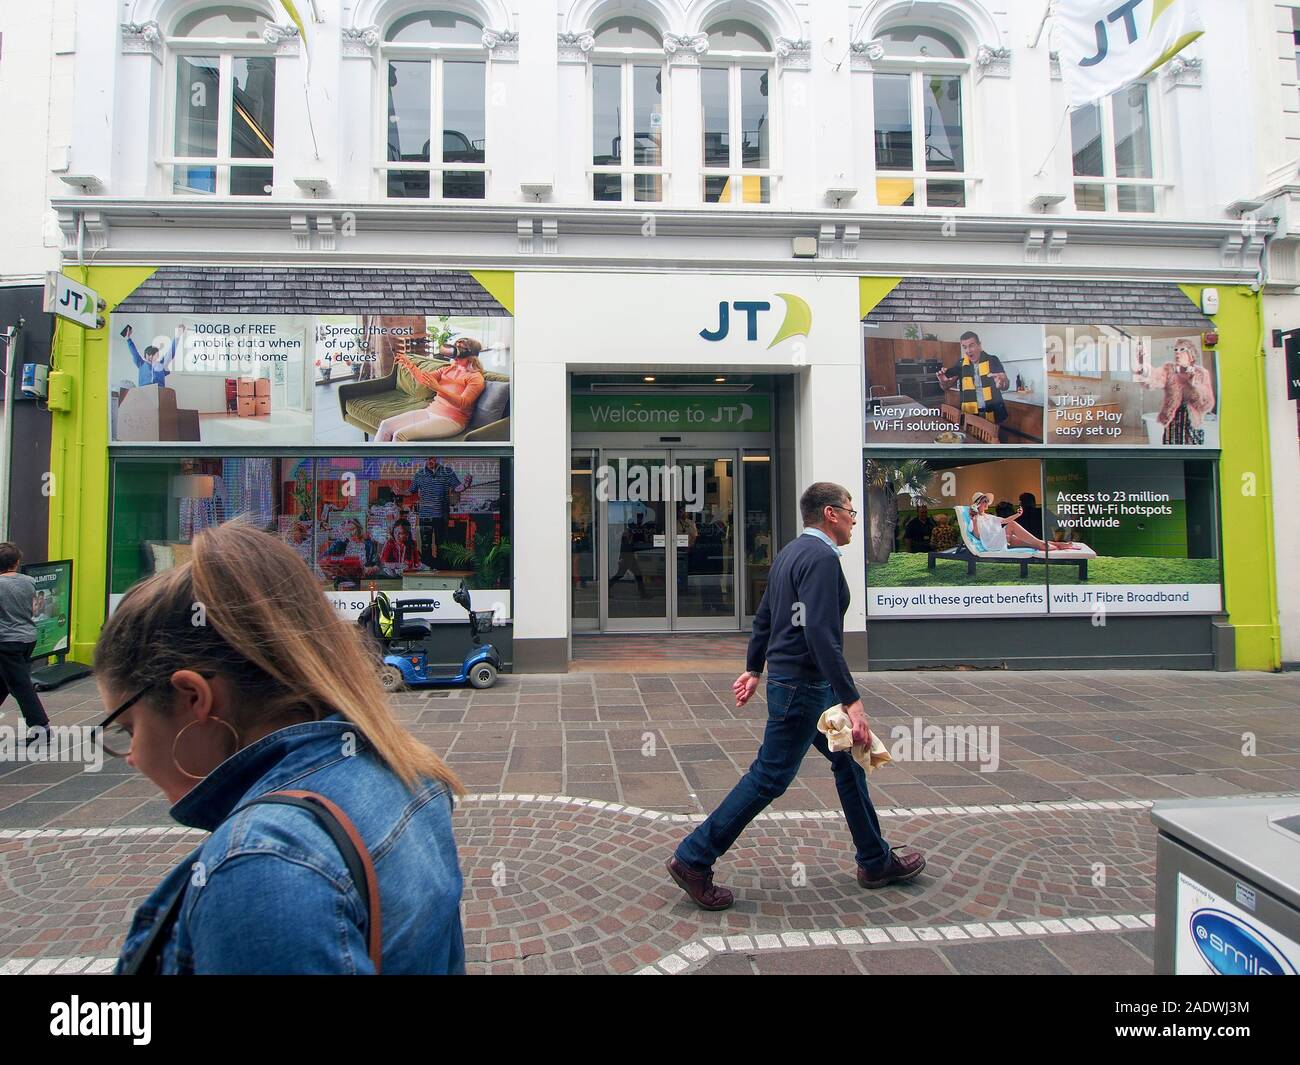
(901, 869)
(700, 887)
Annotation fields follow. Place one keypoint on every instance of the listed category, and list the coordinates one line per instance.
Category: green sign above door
(671, 414)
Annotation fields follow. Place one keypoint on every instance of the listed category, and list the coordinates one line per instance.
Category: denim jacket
(269, 891)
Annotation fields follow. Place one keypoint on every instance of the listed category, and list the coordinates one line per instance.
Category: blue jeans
(793, 707)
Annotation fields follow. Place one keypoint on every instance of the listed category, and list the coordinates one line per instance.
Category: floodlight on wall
(804, 247)
(839, 197)
(313, 186)
(1238, 208)
(536, 189)
(1044, 200)
(87, 183)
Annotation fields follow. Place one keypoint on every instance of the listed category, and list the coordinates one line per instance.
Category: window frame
(626, 59)
(438, 55)
(1110, 183)
(225, 50)
(918, 70)
(734, 63)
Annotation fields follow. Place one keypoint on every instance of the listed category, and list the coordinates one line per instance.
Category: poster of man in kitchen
(950, 383)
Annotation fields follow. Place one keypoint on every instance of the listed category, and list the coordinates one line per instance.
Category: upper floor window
(920, 123)
(627, 113)
(223, 107)
(735, 82)
(435, 66)
(1113, 160)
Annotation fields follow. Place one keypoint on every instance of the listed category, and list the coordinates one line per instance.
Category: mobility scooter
(417, 652)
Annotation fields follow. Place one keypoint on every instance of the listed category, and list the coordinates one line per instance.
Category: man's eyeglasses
(847, 510)
(117, 738)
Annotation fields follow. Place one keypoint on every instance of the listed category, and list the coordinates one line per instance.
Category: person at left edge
(273, 690)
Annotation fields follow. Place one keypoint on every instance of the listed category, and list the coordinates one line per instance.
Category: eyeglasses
(117, 738)
(847, 510)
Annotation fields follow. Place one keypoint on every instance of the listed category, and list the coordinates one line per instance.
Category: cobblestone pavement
(581, 785)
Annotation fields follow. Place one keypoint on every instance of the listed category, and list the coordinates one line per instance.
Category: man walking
(799, 631)
(18, 639)
(432, 486)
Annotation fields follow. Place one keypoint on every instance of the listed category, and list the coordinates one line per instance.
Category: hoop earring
(176, 742)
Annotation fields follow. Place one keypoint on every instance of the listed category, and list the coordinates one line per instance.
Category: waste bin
(1228, 887)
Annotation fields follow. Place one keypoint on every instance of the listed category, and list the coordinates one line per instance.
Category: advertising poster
(1152, 524)
(1130, 386)
(1216, 937)
(210, 380)
(50, 611)
(955, 538)
(412, 379)
(951, 383)
(291, 381)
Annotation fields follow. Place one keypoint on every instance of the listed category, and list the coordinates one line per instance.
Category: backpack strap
(352, 847)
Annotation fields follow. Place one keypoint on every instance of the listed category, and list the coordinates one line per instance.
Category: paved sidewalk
(582, 784)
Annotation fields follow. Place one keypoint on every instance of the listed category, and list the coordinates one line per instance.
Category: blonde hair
(267, 630)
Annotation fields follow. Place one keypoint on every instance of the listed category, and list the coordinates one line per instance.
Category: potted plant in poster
(886, 481)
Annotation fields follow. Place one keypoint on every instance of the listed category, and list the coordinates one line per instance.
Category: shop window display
(1025, 536)
(383, 522)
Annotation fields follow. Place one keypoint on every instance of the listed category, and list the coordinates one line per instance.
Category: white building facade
(686, 211)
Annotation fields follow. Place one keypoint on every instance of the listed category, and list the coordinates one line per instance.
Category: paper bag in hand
(835, 725)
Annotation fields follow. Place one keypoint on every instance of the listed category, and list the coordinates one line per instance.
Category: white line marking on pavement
(1001, 809)
(698, 951)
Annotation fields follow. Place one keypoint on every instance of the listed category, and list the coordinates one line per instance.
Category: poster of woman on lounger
(412, 379)
(1022, 536)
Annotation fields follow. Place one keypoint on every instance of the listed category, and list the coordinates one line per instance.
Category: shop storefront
(635, 458)
(298, 401)
(1064, 474)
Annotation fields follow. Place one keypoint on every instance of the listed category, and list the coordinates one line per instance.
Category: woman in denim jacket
(230, 676)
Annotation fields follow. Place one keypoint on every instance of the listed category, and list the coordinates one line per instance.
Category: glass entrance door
(632, 490)
(668, 540)
(706, 506)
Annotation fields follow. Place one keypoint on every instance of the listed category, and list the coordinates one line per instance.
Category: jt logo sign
(749, 309)
(798, 319)
(1125, 12)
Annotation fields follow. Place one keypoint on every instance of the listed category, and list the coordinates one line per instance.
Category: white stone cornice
(360, 42)
(1182, 70)
(992, 62)
(685, 49)
(576, 47)
(502, 45)
(865, 53)
(794, 55)
(142, 38)
(284, 35)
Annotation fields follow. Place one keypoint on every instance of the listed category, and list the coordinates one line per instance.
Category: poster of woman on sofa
(411, 379)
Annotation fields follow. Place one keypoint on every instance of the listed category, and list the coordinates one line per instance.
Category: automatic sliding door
(706, 506)
(635, 549)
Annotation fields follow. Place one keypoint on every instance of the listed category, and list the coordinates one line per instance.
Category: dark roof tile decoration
(1032, 301)
(310, 290)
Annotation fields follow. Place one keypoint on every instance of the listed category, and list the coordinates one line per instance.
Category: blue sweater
(806, 572)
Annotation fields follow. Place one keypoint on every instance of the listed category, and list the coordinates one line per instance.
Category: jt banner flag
(1106, 44)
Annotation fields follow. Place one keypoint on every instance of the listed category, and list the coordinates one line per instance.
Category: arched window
(223, 105)
(737, 76)
(627, 113)
(435, 72)
(919, 91)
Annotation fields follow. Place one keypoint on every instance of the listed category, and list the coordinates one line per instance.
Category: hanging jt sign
(1105, 44)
